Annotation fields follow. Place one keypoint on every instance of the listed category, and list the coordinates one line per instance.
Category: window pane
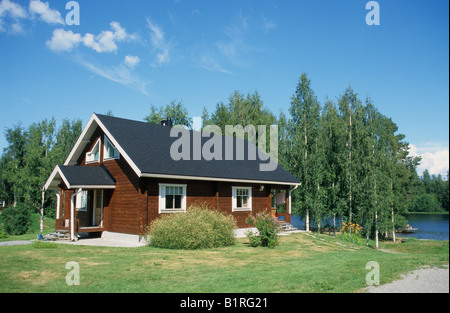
(169, 202)
(245, 202)
(177, 202)
(110, 152)
(96, 152)
(239, 201)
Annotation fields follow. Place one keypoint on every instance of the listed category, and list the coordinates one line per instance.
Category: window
(82, 198)
(172, 198)
(110, 152)
(242, 199)
(94, 155)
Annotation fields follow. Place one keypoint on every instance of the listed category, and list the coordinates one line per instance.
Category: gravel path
(14, 243)
(425, 280)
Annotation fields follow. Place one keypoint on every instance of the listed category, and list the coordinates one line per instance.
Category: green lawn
(300, 263)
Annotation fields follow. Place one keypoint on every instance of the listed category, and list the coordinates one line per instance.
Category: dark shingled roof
(87, 176)
(148, 146)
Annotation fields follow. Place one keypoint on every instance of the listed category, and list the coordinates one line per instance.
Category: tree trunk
(350, 164)
(376, 230)
(42, 210)
(334, 224)
(307, 220)
(393, 221)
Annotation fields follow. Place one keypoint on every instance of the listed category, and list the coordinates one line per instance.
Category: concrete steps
(287, 228)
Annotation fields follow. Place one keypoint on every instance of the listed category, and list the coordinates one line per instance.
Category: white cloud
(63, 40)
(156, 35)
(120, 74)
(46, 14)
(209, 63)
(435, 158)
(235, 45)
(105, 41)
(163, 57)
(12, 11)
(131, 61)
(159, 44)
(268, 25)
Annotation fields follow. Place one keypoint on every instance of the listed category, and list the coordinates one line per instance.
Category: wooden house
(120, 176)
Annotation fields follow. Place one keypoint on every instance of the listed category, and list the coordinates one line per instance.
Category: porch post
(58, 204)
(72, 214)
(290, 191)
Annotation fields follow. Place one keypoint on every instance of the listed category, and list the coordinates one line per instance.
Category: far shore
(428, 213)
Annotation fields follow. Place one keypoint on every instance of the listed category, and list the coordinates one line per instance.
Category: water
(430, 226)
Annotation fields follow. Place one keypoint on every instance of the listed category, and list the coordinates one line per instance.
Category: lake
(430, 226)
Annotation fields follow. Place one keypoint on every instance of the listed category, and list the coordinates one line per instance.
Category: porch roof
(85, 177)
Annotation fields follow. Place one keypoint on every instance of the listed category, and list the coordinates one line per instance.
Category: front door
(97, 214)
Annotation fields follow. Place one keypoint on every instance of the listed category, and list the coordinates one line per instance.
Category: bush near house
(3, 233)
(16, 220)
(268, 228)
(199, 228)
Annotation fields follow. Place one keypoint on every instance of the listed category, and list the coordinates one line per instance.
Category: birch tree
(305, 113)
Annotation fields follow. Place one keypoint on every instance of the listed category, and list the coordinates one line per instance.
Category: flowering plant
(351, 228)
(268, 228)
(352, 232)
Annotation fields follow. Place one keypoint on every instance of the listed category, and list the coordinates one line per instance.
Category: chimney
(167, 122)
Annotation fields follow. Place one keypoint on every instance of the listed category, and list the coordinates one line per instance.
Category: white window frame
(234, 199)
(82, 201)
(106, 156)
(91, 155)
(162, 198)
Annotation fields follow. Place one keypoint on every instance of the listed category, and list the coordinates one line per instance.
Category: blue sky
(126, 55)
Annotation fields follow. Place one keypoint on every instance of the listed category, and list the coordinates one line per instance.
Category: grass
(300, 263)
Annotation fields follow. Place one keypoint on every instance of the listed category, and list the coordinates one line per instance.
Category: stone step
(286, 227)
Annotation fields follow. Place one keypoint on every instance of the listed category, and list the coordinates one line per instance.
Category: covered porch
(82, 195)
(281, 203)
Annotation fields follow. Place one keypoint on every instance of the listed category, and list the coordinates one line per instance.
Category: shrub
(3, 233)
(268, 228)
(16, 220)
(200, 227)
(351, 232)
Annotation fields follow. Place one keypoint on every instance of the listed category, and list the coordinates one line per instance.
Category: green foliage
(200, 227)
(29, 158)
(3, 233)
(425, 203)
(174, 110)
(352, 233)
(432, 194)
(268, 228)
(244, 111)
(16, 220)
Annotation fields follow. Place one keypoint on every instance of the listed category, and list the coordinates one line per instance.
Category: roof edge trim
(218, 179)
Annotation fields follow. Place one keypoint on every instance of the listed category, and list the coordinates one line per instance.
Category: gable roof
(86, 177)
(146, 147)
